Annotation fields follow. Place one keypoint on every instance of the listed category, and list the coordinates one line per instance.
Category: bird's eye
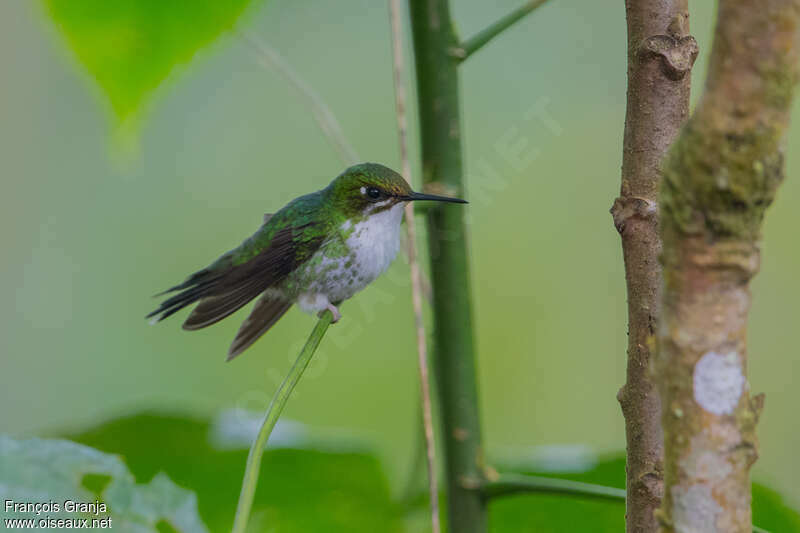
(373, 193)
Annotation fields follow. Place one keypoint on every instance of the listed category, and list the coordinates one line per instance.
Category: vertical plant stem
(274, 410)
(440, 133)
(721, 174)
(660, 57)
(416, 278)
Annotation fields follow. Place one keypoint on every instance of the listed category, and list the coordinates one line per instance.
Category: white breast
(375, 242)
(372, 245)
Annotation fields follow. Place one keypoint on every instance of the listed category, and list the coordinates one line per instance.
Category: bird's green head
(369, 188)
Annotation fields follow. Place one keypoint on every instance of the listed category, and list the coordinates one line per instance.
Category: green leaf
(328, 482)
(130, 46)
(334, 489)
(771, 513)
(39, 470)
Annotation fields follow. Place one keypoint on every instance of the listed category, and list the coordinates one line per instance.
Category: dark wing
(268, 310)
(215, 308)
(229, 284)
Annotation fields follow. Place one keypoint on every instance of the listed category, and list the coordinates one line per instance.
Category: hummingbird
(317, 251)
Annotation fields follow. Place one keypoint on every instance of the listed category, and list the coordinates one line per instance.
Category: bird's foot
(334, 311)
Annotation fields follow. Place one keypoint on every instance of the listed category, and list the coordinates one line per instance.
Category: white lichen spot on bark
(718, 382)
(694, 509)
(706, 464)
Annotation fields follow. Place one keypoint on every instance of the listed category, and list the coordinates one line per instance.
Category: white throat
(375, 241)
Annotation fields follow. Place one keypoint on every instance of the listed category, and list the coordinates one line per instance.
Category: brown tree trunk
(719, 178)
(660, 55)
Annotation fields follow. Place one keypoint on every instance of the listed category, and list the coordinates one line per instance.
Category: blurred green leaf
(40, 470)
(130, 46)
(771, 513)
(313, 487)
(300, 490)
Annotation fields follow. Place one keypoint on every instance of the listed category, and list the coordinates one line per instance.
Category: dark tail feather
(268, 310)
(199, 285)
(214, 308)
(194, 280)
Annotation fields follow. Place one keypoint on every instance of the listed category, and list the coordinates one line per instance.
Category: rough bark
(719, 177)
(454, 351)
(660, 56)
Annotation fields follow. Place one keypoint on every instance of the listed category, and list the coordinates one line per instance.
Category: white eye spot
(363, 190)
(718, 382)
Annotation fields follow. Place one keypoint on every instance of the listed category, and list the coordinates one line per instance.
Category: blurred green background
(91, 229)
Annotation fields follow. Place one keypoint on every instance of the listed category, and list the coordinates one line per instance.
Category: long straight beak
(433, 197)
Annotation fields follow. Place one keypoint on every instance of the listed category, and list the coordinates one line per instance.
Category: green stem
(515, 483)
(274, 411)
(454, 353)
(477, 41)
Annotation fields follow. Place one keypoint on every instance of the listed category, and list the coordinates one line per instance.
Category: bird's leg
(334, 311)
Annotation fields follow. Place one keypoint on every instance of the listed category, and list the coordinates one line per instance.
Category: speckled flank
(348, 261)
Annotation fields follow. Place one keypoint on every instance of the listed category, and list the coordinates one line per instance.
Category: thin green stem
(477, 41)
(413, 263)
(454, 346)
(274, 411)
(507, 484)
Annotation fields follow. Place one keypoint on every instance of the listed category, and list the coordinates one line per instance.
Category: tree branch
(274, 410)
(506, 484)
(660, 55)
(416, 278)
(721, 174)
(477, 41)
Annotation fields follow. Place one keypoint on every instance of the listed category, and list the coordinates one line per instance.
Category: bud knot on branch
(677, 54)
(627, 207)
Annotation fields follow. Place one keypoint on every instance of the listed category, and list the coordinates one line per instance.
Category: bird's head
(369, 188)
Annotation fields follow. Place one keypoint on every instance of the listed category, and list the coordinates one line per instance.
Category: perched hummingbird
(317, 251)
